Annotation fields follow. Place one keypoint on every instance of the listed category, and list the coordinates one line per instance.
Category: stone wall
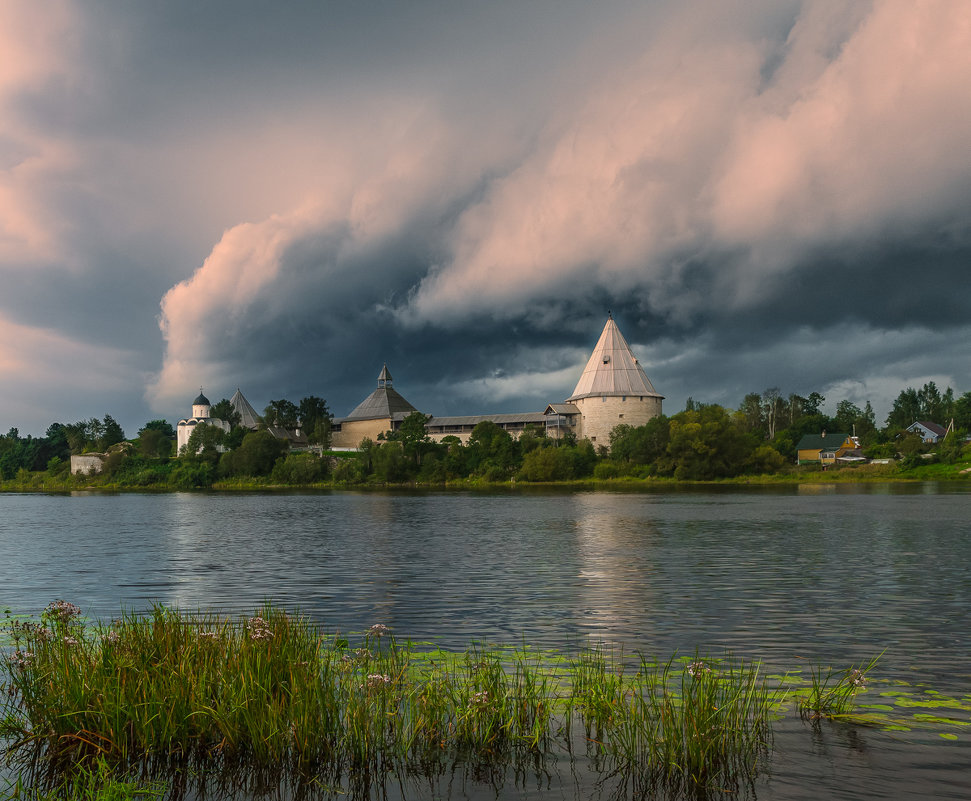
(353, 432)
(599, 415)
(87, 463)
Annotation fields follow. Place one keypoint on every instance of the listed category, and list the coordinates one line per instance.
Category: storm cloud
(284, 199)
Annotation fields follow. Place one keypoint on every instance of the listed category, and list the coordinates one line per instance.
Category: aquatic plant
(832, 693)
(275, 692)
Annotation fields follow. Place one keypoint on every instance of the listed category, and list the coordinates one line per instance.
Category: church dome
(202, 400)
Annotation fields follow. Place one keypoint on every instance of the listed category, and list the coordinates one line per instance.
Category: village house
(827, 448)
(929, 432)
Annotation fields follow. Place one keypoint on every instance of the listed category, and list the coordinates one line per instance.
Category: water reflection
(831, 573)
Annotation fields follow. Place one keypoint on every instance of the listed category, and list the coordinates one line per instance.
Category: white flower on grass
(698, 669)
(259, 629)
(857, 678)
(378, 680)
(21, 658)
(62, 610)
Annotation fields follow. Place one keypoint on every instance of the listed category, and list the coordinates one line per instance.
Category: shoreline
(952, 474)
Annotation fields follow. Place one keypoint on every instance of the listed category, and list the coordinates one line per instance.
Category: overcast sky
(284, 196)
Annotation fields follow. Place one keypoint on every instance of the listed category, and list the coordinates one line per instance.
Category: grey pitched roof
(248, 415)
(385, 401)
(561, 408)
(934, 428)
(612, 369)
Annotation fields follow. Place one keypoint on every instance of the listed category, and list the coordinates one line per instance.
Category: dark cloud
(764, 194)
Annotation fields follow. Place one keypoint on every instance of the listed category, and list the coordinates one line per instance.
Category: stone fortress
(613, 389)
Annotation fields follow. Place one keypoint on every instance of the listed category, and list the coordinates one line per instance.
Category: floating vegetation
(273, 696)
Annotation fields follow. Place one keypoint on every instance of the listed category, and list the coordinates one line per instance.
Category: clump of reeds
(275, 690)
(701, 724)
(832, 692)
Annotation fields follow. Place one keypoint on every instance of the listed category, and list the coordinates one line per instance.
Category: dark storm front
(789, 576)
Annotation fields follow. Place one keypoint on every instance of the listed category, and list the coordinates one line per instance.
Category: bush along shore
(189, 700)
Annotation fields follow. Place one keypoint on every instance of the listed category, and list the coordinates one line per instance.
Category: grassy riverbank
(189, 694)
(167, 479)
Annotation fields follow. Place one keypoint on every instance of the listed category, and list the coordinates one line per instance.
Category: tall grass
(275, 692)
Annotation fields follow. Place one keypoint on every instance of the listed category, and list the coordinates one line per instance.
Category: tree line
(704, 441)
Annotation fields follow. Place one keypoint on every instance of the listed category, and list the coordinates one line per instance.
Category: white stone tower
(613, 389)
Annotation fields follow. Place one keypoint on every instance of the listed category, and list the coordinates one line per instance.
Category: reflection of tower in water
(618, 576)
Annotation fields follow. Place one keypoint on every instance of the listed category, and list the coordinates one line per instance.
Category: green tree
(640, 444)
(847, 414)
(204, 443)
(764, 460)
(162, 426)
(224, 410)
(752, 415)
(256, 455)
(156, 439)
(550, 464)
(282, 413)
(152, 443)
(111, 433)
(413, 437)
(492, 451)
(707, 444)
(814, 403)
(906, 409)
(962, 412)
(315, 419)
(390, 464)
(774, 407)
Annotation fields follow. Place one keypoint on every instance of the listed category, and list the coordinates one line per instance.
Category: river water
(830, 574)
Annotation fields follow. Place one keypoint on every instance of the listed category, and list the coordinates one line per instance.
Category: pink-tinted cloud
(864, 128)
(686, 168)
(43, 367)
(37, 46)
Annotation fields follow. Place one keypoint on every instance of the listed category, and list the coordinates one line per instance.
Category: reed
(832, 693)
(275, 692)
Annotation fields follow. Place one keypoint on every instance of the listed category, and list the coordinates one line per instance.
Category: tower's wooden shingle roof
(612, 369)
(385, 401)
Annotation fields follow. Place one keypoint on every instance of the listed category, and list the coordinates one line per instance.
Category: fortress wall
(353, 432)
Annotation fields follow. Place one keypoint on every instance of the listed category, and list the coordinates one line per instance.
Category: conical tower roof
(248, 416)
(612, 369)
(385, 401)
